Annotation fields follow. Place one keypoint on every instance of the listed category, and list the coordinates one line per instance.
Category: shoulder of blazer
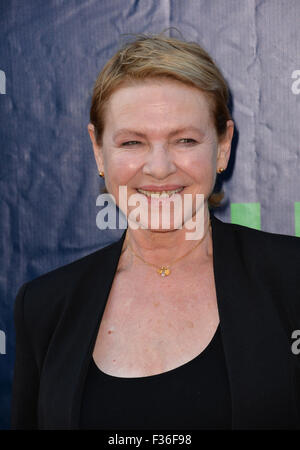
(271, 261)
(262, 250)
(251, 236)
(62, 277)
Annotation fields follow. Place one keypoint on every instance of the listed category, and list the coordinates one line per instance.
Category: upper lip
(165, 187)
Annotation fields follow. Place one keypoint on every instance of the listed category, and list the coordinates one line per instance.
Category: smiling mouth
(160, 194)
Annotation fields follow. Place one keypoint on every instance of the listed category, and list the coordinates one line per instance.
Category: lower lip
(161, 200)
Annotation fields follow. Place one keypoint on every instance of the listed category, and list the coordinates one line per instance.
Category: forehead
(156, 102)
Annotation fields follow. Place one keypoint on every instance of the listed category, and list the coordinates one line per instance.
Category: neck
(163, 247)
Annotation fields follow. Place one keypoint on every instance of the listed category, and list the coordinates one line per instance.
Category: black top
(195, 395)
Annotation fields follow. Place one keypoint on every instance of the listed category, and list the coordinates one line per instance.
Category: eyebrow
(172, 133)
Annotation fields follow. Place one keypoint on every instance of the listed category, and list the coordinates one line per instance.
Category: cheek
(121, 168)
(199, 165)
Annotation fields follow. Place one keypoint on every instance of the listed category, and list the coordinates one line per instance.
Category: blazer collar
(250, 327)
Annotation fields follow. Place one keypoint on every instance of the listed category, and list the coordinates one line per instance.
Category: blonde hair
(153, 56)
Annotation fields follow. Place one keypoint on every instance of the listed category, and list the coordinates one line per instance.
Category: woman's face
(160, 135)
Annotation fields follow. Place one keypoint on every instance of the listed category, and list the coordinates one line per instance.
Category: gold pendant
(164, 271)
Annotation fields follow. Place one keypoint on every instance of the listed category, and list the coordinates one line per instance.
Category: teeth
(160, 194)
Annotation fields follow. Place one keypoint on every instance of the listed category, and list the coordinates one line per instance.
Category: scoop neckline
(170, 372)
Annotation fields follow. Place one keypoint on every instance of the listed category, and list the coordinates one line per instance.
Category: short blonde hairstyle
(159, 56)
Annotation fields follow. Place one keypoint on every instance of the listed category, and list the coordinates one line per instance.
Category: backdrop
(50, 55)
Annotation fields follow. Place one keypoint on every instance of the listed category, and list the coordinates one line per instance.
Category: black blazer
(57, 318)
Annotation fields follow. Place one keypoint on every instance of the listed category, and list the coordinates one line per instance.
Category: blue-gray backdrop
(50, 54)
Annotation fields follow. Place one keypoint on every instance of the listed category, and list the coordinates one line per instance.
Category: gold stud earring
(220, 170)
(101, 173)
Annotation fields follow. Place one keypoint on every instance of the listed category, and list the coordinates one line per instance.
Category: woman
(157, 330)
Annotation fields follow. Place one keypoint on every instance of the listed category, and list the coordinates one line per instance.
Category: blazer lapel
(72, 344)
(256, 347)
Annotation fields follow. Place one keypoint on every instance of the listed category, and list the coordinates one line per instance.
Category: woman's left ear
(224, 146)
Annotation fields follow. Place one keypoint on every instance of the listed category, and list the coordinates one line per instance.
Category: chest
(149, 327)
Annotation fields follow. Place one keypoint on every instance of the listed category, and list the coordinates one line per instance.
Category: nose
(159, 163)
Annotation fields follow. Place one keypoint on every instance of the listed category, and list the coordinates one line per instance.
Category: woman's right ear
(96, 147)
(91, 130)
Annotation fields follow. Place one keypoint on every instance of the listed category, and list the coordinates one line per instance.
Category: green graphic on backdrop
(297, 219)
(247, 214)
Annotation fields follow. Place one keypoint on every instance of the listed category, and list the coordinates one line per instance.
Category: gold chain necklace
(166, 270)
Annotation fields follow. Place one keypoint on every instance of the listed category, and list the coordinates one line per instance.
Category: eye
(188, 139)
(130, 142)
